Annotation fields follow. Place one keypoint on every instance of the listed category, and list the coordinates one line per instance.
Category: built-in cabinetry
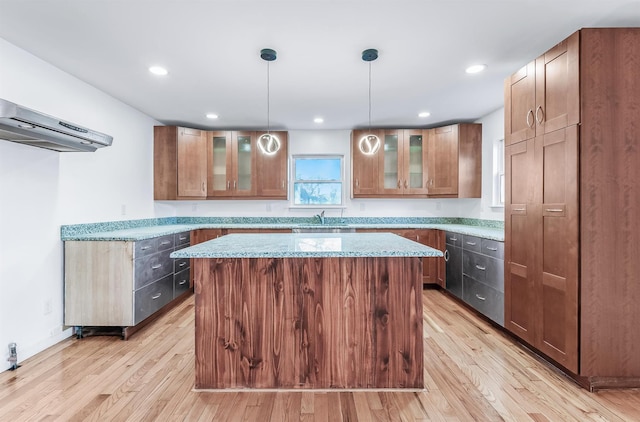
(475, 273)
(572, 203)
(122, 283)
(198, 164)
(438, 162)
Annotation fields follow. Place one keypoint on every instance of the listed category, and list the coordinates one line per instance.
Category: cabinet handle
(234, 184)
(166, 242)
(446, 255)
(431, 182)
(399, 184)
(554, 210)
(182, 282)
(453, 239)
(357, 183)
(228, 184)
(154, 297)
(182, 237)
(471, 243)
(406, 184)
(480, 297)
(283, 184)
(202, 186)
(537, 118)
(492, 249)
(182, 264)
(519, 209)
(530, 122)
(480, 267)
(155, 267)
(144, 248)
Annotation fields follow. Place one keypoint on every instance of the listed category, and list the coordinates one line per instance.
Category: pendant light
(369, 144)
(268, 143)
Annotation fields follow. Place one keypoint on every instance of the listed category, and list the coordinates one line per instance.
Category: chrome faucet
(320, 217)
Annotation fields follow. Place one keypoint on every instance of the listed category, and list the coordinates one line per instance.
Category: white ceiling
(211, 49)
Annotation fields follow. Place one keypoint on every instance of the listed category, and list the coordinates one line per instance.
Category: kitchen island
(320, 310)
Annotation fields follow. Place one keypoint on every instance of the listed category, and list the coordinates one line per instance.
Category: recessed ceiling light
(318, 120)
(212, 116)
(424, 114)
(158, 70)
(476, 68)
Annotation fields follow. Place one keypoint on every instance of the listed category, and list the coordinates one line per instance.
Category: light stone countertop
(303, 245)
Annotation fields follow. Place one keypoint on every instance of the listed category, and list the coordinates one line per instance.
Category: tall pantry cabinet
(573, 204)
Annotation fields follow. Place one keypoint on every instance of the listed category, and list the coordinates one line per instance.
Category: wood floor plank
(472, 372)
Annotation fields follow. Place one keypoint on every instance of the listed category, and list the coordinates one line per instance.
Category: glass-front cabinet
(403, 158)
(231, 157)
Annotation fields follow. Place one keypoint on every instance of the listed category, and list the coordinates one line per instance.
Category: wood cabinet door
(243, 164)
(520, 104)
(430, 265)
(192, 163)
(365, 158)
(414, 150)
(520, 294)
(272, 168)
(442, 169)
(391, 164)
(219, 159)
(557, 233)
(557, 85)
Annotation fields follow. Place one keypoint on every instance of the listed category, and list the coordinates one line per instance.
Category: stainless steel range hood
(30, 127)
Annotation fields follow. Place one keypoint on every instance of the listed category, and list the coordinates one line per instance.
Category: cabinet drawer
(484, 299)
(493, 248)
(165, 242)
(181, 282)
(453, 279)
(183, 238)
(180, 264)
(453, 239)
(152, 267)
(144, 248)
(471, 243)
(152, 297)
(483, 268)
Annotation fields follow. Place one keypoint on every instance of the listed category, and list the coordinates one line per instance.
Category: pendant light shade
(268, 143)
(370, 143)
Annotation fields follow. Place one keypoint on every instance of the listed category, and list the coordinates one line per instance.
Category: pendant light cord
(369, 96)
(268, 101)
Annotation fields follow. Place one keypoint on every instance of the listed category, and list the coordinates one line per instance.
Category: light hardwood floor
(472, 372)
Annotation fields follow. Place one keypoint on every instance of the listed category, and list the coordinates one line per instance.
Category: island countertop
(302, 245)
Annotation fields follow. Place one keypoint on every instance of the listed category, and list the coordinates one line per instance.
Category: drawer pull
(155, 267)
(519, 209)
(182, 282)
(471, 243)
(453, 239)
(480, 267)
(492, 249)
(183, 238)
(446, 255)
(182, 264)
(166, 242)
(154, 297)
(144, 248)
(554, 210)
(480, 297)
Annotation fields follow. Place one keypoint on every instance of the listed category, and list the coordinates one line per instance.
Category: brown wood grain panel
(470, 161)
(309, 323)
(610, 202)
(165, 165)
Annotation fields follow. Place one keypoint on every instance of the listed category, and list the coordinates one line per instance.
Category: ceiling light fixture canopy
(268, 143)
(369, 144)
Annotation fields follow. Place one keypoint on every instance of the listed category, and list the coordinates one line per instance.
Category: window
(498, 173)
(318, 180)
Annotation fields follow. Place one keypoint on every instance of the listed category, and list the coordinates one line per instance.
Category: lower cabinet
(475, 273)
(119, 284)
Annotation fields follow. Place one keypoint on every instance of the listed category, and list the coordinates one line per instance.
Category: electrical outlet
(123, 209)
(48, 307)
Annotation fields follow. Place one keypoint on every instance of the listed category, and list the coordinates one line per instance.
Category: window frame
(293, 181)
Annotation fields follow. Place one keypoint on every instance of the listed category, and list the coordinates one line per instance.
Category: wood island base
(302, 323)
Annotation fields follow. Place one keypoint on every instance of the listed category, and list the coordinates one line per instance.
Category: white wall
(338, 142)
(42, 189)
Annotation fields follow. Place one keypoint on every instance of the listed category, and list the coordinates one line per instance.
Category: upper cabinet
(440, 162)
(232, 164)
(195, 164)
(543, 96)
(180, 163)
(454, 166)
